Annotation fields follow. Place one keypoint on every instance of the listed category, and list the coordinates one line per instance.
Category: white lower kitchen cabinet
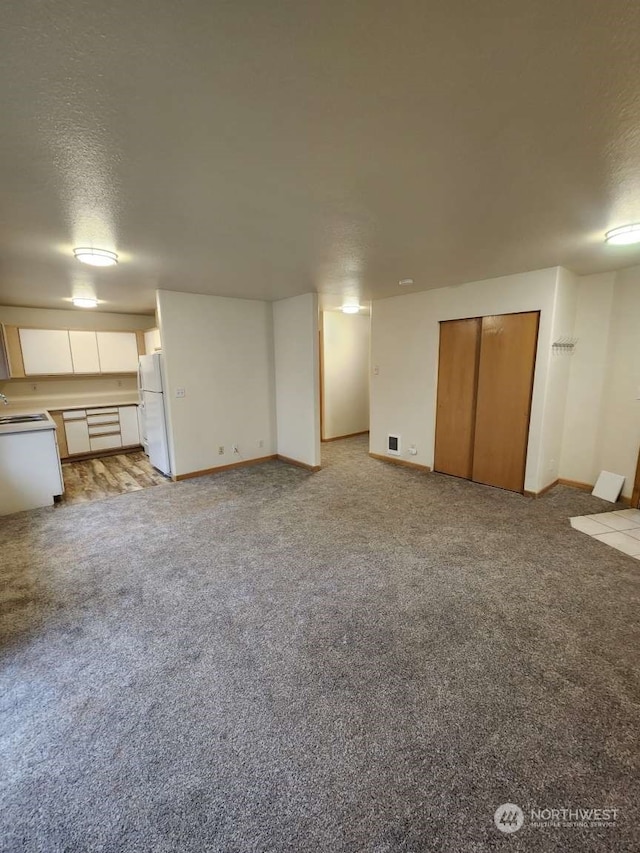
(30, 470)
(129, 425)
(77, 433)
(98, 429)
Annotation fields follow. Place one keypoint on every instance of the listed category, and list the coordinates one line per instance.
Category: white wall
(345, 370)
(557, 384)
(621, 410)
(52, 393)
(51, 318)
(295, 330)
(580, 457)
(602, 423)
(220, 350)
(404, 349)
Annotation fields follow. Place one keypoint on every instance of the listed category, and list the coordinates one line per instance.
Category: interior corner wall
(346, 341)
(220, 351)
(584, 413)
(404, 358)
(297, 378)
(558, 371)
(619, 436)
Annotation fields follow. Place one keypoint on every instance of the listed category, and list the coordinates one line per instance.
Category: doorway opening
(344, 343)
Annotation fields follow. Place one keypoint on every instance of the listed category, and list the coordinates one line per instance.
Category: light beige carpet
(364, 659)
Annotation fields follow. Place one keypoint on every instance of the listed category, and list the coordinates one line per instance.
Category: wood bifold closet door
(485, 380)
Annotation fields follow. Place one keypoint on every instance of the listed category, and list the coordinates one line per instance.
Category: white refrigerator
(154, 424)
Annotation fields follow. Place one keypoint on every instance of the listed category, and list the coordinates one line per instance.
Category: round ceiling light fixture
(84, 302)
(624, 236)
(350, 309)
(96, 257)
(405, 282)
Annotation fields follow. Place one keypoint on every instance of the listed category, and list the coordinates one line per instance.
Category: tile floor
(620, 529)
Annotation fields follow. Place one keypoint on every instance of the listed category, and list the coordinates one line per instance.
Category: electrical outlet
(261, 443)
(180, 392)
(412, 450)
(234, 448)
(221, 450)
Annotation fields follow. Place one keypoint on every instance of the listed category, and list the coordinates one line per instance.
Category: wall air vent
(393, 445)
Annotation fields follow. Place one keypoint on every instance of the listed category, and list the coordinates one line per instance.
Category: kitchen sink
(21, 419)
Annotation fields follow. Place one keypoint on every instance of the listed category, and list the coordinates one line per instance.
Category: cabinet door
(45, 351)
(152, 341)
(84, 352)
(77, 433)
(129, 425)
(118, 352)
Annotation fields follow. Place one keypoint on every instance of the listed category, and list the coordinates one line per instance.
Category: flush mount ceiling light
(623, 236)
(405, 282)
(350, 309)
(96, 257)
(84, 302)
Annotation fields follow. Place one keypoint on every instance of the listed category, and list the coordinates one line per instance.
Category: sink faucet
(4, 399)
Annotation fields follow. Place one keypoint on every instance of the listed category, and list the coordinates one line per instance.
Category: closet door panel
(455, 410)
(505, 382)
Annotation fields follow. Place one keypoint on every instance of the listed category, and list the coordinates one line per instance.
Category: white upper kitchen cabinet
(118, 352)
(46, 351)
(152, 341)
(84, 352)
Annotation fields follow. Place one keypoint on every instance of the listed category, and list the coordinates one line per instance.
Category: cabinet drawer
(102, 419)
(105, 442)
(104, 429)
(103, 410)
(74, 415)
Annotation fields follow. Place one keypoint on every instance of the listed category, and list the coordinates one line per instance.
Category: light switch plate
(608, 486)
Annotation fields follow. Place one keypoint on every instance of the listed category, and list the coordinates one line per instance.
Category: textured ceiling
(264, 149)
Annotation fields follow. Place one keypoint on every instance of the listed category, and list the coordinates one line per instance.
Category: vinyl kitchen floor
(96, 479)
(620, 529)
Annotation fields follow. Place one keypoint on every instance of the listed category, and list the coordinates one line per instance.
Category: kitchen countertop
(28, 426)
(54, 404)
(57, 405)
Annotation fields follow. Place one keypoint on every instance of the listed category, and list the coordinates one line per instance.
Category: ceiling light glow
(624, 236)
(84, 302)
(96, 257)
(350, 309)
